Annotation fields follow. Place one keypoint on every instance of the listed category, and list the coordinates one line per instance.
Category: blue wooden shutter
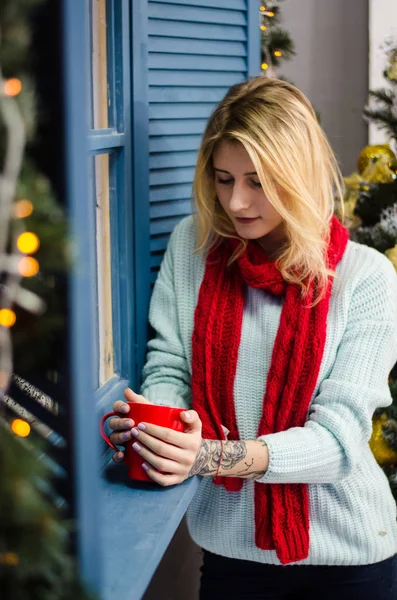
(196, 51)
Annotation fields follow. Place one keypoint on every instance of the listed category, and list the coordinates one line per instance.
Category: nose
(240, 200)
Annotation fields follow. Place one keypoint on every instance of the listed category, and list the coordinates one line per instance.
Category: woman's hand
(169, 455)
(121, 426)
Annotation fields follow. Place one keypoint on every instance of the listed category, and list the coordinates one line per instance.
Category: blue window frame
(148, 140)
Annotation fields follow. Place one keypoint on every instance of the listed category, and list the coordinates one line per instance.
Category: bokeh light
(7, 317)
(12, 87)
(20, 427)
(23, 208)
(28, 266)
(28, 242)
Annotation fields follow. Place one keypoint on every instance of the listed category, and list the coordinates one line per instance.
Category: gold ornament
(392, 255)
(353, 184)
(369, 154)
(384, 455)
(378, 171)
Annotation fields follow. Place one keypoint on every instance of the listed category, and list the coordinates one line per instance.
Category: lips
(246, 221)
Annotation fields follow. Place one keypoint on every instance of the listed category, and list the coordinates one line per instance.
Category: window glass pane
(100, 87)
(103, 247)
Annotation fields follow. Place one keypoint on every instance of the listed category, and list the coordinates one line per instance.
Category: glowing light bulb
(28, 266)
(270, 13)
(20, 427)
(28, 242)
(263, 27)
(262, 8)
(264, 66)
(278, 53)
(7, 317)
(23, 208)
(12, 87)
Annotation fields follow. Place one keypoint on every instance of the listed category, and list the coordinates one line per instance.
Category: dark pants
(231, 579)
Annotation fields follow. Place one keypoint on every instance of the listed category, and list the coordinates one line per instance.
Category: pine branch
(385, 96)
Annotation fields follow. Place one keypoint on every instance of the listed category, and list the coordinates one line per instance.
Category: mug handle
(102, 430)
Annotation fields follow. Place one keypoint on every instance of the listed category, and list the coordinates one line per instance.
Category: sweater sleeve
(339, 425)
(166, 376)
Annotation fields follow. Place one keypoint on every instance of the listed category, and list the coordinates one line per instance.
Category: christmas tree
(371, 215)
(276, 43)
(36, 562)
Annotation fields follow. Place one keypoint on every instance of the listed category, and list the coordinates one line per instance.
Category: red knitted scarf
(281, 510)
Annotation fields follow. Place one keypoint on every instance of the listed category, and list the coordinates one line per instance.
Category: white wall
(331, 67)
(382, 24)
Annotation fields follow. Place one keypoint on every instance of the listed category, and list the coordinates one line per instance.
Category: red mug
(165, 416)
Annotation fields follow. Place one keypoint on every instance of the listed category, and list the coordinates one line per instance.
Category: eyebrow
(223, 171)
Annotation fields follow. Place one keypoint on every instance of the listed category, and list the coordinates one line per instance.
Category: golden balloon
(384, 454)
(371, 153)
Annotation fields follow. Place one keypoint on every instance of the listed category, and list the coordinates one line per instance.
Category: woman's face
(240, 192)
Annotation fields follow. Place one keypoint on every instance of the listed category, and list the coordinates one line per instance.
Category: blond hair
(295, 164)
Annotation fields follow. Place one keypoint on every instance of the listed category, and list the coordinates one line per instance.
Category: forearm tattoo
(233, 453)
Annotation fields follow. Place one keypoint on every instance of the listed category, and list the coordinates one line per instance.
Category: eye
(256, 184)
(224, 181)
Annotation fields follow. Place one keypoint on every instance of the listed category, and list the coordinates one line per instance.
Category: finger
(162, 479)
(119, 439)
(158, 462)
(118, 457)
(121, 424)
(162, 448)
(192, 421)
(121, 407)
(131, 396)
(177, 438)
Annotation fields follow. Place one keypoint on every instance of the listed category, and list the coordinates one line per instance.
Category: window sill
(138, 522)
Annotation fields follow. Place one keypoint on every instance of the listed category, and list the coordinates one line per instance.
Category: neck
(273, 242)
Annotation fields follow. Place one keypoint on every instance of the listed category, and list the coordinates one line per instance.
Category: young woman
(278, 335)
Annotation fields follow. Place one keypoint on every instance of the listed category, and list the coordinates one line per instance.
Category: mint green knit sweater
(352, 511)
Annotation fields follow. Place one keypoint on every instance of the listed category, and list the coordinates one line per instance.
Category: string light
(7, 317)
(264, 66)
(23, 208)
(12, 87)
(278, 53)
(269, 13)
(263, 27)
(262, 8)
(28, 242)
(20, 427)
(28, 266)
(9, 558)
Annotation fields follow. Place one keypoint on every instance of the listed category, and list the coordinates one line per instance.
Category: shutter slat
(192, 110)
(191, 46)
(163, 209)
(172, 143)
(183, 94)
(172, 159)
(198, 31)
(161, 226)
(171, 176)
(168, 160)
(158, 243)
(231, 4)
(184, 12)
(158, 60)
(188, 78)
(176, 127)
(170, 192)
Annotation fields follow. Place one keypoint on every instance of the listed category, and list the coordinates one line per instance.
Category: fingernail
(126, 435)
(142, 426)
(144, 466)
(136, 447)
(125, 409)
(135, 432)
(187, 415)
(128, 424)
